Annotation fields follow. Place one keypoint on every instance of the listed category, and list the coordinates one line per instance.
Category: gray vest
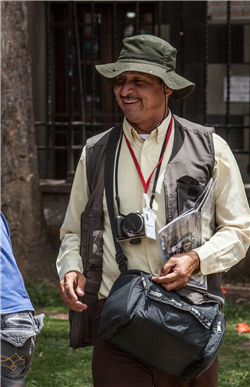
(192, 155)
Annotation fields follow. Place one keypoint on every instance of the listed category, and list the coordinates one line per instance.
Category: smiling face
(142, 99)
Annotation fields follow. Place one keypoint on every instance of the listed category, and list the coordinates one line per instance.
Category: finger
(76, 304)
(172, 286)
(165, 270)
(80, 290)
(168, 267)
(166, 278)
(64, 294)
(70, 291)
(67, 292)
(177, 279)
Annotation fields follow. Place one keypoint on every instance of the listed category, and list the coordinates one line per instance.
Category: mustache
(129, 97)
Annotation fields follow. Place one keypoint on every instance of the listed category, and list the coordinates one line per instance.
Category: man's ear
(168, 91)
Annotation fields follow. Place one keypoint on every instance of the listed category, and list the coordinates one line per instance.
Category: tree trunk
(21, 197)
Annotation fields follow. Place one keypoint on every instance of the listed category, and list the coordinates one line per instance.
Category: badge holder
(149, 220)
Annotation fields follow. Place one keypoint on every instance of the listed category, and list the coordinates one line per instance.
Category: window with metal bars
(78, 104)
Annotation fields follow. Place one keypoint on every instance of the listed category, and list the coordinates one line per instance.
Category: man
(144, 78)
(19, 327)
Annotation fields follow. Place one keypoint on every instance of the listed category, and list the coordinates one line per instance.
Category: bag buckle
(122, 260)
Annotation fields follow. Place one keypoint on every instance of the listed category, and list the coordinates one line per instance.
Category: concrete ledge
(60, 186)
(55, 198)
(55, 186)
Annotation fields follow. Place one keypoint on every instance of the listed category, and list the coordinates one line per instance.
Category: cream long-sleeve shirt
(227, 247)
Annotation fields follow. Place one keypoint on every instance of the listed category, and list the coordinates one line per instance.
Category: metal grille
(80, 35)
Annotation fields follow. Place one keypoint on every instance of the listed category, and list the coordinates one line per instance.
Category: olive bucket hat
(151, 55)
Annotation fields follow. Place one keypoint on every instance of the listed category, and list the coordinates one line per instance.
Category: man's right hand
(73, 284)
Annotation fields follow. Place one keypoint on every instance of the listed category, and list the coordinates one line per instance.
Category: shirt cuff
(211, 262)
(71, 262)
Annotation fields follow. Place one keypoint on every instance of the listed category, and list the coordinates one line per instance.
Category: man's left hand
(176, 272)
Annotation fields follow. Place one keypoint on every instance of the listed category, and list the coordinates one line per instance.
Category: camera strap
(115, 134)
(157, 167)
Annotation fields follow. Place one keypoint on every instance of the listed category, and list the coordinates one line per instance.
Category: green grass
(234, 358)
(55, 364)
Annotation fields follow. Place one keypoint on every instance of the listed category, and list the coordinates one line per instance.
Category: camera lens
(132, 224)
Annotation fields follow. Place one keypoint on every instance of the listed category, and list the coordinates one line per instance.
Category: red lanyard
(146, 184)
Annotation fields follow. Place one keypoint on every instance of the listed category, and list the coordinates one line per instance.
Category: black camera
(130, 227)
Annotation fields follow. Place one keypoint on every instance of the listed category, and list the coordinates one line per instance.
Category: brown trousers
(112, 367)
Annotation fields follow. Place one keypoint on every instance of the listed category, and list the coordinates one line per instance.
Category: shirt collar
(158, 133)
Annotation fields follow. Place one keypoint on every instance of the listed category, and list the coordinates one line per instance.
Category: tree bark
(21, 196)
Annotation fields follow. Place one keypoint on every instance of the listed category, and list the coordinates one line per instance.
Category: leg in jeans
(19, 333)
(7, 382)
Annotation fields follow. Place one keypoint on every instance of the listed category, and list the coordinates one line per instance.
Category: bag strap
(115, 134)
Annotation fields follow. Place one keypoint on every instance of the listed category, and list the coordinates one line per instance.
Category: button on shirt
(226, 247)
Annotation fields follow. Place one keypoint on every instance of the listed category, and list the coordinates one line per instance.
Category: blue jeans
(19, 333)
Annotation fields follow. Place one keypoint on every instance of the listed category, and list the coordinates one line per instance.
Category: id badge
(149, 221)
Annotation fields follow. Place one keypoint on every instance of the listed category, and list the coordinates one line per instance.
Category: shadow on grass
(57, 365)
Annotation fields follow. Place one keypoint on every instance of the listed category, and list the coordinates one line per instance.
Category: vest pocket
(188, 191)
(91, 248)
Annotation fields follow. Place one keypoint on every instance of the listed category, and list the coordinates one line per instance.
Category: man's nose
(126, 89)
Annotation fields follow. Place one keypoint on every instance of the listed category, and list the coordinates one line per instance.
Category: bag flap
(205, 313)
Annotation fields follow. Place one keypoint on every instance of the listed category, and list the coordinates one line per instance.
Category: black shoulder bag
(155, 325)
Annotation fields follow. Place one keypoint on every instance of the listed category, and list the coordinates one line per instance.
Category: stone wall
(55, 196)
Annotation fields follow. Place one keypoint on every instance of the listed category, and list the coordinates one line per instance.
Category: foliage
(55, 364)
(42, 295)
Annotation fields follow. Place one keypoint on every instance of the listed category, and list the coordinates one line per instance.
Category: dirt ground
(238, 293)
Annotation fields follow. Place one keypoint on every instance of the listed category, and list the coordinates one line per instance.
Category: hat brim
(181, 87)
